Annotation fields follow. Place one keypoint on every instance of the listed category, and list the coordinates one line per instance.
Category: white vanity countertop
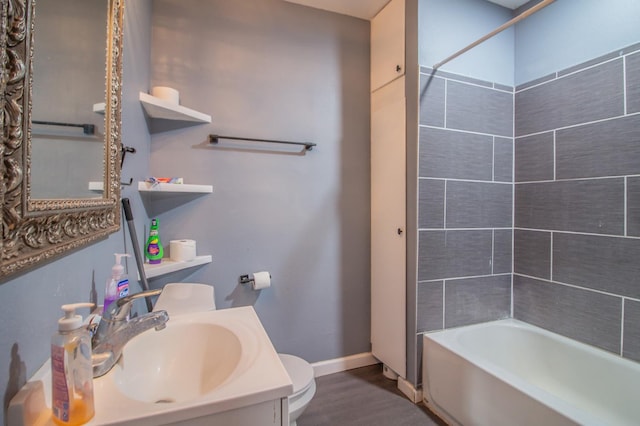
(261, 377)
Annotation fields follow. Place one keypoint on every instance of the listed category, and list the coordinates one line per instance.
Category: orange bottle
(71, 370)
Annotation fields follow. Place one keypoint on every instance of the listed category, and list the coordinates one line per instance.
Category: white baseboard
(407, 388)
(336, 365)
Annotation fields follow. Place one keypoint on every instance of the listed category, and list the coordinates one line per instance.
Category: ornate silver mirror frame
(34, 231)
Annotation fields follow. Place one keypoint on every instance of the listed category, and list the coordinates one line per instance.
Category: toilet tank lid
(300, 371)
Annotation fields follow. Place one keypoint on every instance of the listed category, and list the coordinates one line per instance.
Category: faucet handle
(120, 308)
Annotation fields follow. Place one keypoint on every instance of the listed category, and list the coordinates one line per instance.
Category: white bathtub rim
(519, 385)
(448, 340)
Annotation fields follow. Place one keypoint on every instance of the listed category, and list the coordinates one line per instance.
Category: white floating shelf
(174, 187)
(96, 186)
(159, 108)
(99, 108)
(167, 266)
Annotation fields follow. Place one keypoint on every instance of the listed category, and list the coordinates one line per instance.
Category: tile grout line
(624, 84)
(493, 250)
(470, 132)
(559, 77)
(493, 160)
(559, 231)
(551, 258)
(444, 306)
(513, 197)
(446, 90)
(622, 328)
(578, 287)
(570, 126)
(444, 205)
(462, 81)
(555, 167)
(435, 280)
(465, 180)
(625, 196)
(574, 179)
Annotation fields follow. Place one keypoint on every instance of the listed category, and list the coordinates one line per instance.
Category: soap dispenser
(154, 250)
(71, 369)
(118, 285)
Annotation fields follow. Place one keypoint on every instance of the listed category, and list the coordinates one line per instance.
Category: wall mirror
(61, 126)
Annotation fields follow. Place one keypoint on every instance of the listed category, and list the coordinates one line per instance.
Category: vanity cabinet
(388, 44)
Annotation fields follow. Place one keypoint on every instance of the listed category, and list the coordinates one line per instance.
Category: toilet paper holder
(247, 279)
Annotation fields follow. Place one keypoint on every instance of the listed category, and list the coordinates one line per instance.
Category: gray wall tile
(502, 249)
(587, 316)
(430, 306)
(452, 254)
(503, 160)
(456, 155)
(589, 63)
(532, 253)
(478, 205)
(562, 102)
(531, 83)
(478, 109)
(609, 264)
(474, 300)
(457, 77)
(633, 206)
(503, 87)
(432, 100)
(606, 148)
(633, 83)
(431, 203)
(594, 206)
(534, 158)
(631, 347)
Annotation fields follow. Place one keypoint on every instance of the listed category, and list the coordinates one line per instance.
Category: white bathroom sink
(200, 365)
(180, 363)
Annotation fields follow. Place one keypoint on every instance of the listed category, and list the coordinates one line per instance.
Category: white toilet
(304, 385)
(181, 298)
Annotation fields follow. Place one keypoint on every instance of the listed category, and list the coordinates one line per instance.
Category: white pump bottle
(118, 284)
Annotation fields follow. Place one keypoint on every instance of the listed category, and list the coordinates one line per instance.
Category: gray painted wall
(446, 26)
(275, 70)
(570, 32)
(30, 303)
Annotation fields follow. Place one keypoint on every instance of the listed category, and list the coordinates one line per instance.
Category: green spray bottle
(154, 250)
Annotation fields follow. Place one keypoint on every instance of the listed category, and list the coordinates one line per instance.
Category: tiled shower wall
(465, 201)
(577, 202)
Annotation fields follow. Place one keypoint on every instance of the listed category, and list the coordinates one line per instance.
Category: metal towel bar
(213, 139)
(88, 129)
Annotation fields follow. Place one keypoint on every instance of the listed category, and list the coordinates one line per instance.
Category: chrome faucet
(115, 330)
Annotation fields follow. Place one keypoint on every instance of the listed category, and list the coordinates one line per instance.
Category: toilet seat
(300, 371)
(304, 384)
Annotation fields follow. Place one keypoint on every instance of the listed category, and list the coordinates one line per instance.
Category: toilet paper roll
(182, 250)
(261, 280)
(166, 94)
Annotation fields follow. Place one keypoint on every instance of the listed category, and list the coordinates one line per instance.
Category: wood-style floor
(363, 397)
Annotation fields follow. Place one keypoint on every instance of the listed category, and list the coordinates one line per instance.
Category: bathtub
(511, 373)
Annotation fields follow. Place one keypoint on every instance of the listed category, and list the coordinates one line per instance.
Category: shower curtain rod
(501, 28)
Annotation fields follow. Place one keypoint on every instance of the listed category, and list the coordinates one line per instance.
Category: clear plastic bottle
(71, 370)
(118, 285)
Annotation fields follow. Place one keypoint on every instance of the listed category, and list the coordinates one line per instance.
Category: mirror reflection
(68, 91)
